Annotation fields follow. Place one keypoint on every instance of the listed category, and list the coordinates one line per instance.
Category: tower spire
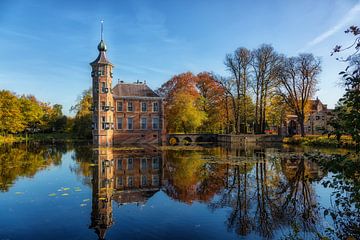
(102, 29)
(102, 46)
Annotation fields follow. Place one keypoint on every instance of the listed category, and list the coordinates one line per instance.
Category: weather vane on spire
(102, 28)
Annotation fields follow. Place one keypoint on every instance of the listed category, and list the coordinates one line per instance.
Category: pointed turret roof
(101, 59)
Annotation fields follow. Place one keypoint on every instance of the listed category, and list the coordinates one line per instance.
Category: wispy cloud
(18, 34)
(352, 14)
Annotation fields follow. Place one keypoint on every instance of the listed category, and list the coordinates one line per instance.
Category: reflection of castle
(125, 177)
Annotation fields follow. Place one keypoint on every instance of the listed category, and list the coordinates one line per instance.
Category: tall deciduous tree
(238, 64)
(299, 80)
(266, 67)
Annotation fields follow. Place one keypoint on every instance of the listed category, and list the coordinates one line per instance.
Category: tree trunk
(302, 127)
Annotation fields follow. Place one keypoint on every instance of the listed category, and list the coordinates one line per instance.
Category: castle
(125, 113)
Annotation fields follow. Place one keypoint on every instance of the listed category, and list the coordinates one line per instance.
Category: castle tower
(103, 102)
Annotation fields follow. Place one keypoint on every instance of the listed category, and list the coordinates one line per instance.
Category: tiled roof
(133, 90)
(101, 59)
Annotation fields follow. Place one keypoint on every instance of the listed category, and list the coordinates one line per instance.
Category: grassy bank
(321, 141)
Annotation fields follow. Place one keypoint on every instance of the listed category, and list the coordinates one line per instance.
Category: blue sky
(46, 46)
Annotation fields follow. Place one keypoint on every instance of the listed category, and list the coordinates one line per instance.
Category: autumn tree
(211, 102)
(31, 112)
(299, 80)
(11, 118)
(183, 114)
(83, 117)
(277, 110)
(192, 103)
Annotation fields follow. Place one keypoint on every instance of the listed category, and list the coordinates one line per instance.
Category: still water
(150, 192)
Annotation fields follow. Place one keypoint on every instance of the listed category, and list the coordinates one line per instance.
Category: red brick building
(125, 113)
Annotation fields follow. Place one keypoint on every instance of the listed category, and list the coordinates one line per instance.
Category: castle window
(130, 181)
(155, 163)
(120, 181)
(101, 71)
(155, 180)
(119, 123)
(130, 123)
(143, 107)
(103, 123)
(119, 106)
(130, 107)
(143, 164)
(119, 164)
(130, 163)
(155, 107)
(103, 87)
(143, 180)
(317, 117)
(103, 105)
(143, 123)
(155, 123)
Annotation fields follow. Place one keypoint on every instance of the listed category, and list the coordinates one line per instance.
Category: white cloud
(352, 14)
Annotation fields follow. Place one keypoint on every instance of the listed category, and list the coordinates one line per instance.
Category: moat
(73, 191)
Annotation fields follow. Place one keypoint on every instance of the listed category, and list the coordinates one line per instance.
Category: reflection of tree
(297, 200)
(83, 155)
(190, 177)
(263, 199)
(25, 161)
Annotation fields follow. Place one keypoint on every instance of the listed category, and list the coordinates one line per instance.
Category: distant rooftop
(137, 89)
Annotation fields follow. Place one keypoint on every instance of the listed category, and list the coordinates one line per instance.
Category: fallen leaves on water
(19, 193)
(86, 200)
(82, 204)
(64, 194)
(52, 195)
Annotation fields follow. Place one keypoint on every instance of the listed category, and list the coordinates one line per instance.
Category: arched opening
(187, 141)
(200, 139)
(173, 141)
(292, 128)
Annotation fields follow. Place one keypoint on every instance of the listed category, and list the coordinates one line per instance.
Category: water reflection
(266, 191)
(25, 161)
(253, 191)
(122, 177)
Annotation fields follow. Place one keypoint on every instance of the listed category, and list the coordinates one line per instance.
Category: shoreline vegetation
(321, 141)
(40, 137)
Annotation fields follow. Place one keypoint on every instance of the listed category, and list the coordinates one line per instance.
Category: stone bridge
(187, 139)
